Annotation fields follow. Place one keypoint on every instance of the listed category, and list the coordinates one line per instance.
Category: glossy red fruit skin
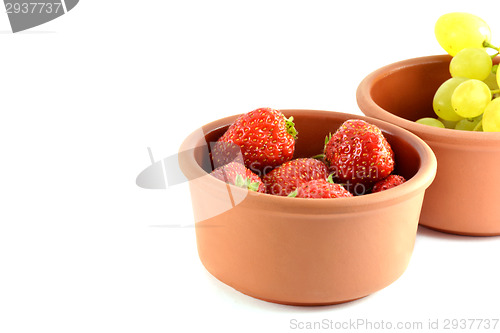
(358, 153)
(228, 173)
(322, 189)
(261, 139)
(287, 177)
(387, 183)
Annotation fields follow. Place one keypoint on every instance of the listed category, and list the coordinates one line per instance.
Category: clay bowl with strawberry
(463, 199)
(308, 250)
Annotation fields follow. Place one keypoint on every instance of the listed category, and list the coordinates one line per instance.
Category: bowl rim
(419, 182)
(444, 135)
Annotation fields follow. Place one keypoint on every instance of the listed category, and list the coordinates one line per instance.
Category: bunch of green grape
(469, 100)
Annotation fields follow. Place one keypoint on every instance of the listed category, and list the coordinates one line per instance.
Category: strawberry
(285, 178)
(237, 174)
(264, 139)
(320, 189)
(358, 153)
(387, 183)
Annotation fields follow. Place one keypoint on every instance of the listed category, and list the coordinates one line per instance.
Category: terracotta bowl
(464, 196)
(307, 251)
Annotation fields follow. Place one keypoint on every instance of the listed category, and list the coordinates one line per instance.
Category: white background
(83, 249)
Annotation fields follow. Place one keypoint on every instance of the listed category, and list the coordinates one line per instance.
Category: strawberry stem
(293, 194)
(290, 127)
(319, 156)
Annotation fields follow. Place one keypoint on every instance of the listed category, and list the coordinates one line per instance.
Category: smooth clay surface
(463, 198)
(307, 251)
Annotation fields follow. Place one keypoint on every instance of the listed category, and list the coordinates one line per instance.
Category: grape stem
(497, 91)
(487, 44)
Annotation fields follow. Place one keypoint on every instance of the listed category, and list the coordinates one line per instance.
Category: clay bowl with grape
(464, 196)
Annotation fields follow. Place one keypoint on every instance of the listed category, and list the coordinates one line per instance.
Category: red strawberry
(285, 178)
(264, 138)
(237, 174)
(358, 153)
(320, 189)
(387, 183)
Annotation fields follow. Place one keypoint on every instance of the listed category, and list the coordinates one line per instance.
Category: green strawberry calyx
(322, 156)
(328, 138)
(293, 194)
(246, 183)
(290, 127)
(319, 156)
(330, 179)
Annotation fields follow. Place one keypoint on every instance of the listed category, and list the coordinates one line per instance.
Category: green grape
(442, 99)
(491, 81)
(468, 124)
(470, 98)
(448, 123)
(456, 31)
(430, 122)
(491, 117)
(498, 76)
(472, 63)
